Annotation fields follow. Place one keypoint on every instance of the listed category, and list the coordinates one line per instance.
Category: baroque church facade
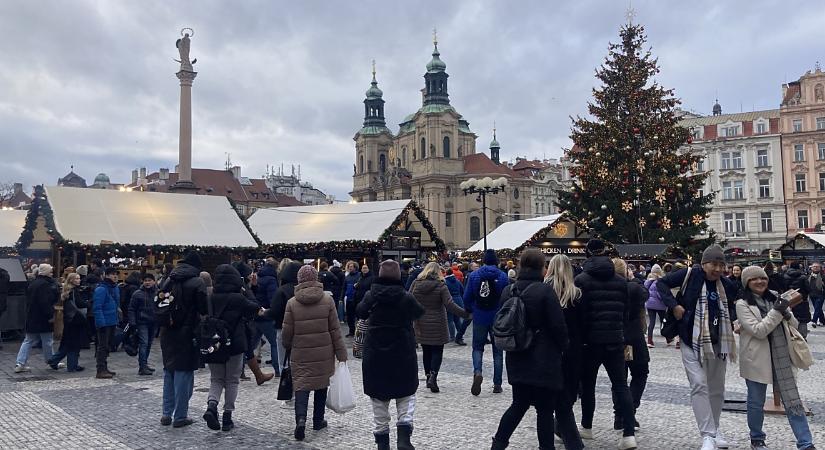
(434, 151)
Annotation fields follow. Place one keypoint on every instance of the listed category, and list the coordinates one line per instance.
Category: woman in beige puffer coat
(312, 335)
(431, 329)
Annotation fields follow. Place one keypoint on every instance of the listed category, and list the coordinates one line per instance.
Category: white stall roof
(11, 226)
(95, 216)
(513, 234)
(325, 223)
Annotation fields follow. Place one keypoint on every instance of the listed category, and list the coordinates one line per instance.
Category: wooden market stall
(553, 235)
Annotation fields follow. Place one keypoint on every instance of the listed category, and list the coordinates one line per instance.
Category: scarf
(702, 342)
(783, 376)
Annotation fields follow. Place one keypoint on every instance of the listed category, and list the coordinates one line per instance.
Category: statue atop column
(183, 48)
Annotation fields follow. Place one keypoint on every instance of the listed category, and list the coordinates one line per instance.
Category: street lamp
(483, 187)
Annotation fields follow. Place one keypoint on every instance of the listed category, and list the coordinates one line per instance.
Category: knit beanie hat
(595, 247)
(307, 273)
(389, 269)
(490, 257)
(45, 270)
(713, 253)
(752, 272)
(82, 270)
(193, 259)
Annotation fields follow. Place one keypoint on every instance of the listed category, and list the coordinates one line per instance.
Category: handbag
(57, 321)
(285, 383)
(800, 353)
(670, 326)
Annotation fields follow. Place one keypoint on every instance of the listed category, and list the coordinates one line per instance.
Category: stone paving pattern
(46, 409)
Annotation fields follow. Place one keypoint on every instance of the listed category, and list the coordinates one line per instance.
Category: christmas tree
(635, 180)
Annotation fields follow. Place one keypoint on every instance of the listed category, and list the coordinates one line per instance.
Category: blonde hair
(656, 272)
(432, 271)
(282, 265)
(560, 275)
(68, 286)
(621, 267)
(207, 279)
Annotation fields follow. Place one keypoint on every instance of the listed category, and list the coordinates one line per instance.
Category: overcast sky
(92, 83)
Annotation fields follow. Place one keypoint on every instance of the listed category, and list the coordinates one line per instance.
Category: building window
(499, 221)
(801, 185)
(733, 190)
(766, 221)
(731, 160)
(740, 224)
(764, 188)
(762, 158)
(361, 164)
(820, 123)
(515, 193)
(730, 131)
(725, 160)
(798, 152)
(797, 125)
(423, 148)
(446, 147)
(822, 181)
(700, 165)
(448, 219)
(761, 128)
(822, 216)
(475, 229)
(820, 148)
(738, 190)
(727, 220)
(802, 218)
(382, 163)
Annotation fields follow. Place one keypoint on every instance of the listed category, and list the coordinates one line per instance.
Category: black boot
(228, 424)
(434, 382)
(404, 433)
(383, 441)
(300, 428)
(429, 380)
(211, 416)
(498, 445)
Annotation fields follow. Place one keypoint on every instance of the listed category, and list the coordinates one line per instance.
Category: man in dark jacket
(180, 355)
(339, 295)
(331, 283)
(265, 293)
(41, 296)
(706, 311)
(390, 365)
(130, 285)
(607, 308)
(142, 318)
(816, 288)
(795, 279)
(106, 305)
(482, 299)
(289, 279)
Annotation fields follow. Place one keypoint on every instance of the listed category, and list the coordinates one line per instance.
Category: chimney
(18, 188)
(163, 174)
(236, 172)
(143, 172)
(134, 176)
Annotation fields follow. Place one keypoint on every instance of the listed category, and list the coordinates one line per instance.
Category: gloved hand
(781, 305)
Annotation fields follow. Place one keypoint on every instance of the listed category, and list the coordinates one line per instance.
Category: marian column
(186, 75)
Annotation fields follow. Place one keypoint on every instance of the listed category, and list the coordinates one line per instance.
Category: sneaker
(287, 404)
(497, 389)
(54, 366)
(813, 324)
(586, 433)
(145, 371)
(708, 443)
(183, 423)
(61, 365)
(166, 421)
(720, 441)
(758, 445)
(476, 388)
(19, 368)
(76, 369)
(627, 443)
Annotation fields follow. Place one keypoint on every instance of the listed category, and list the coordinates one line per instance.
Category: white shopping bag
(341, 396)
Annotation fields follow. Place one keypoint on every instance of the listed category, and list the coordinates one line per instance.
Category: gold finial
(373, 70)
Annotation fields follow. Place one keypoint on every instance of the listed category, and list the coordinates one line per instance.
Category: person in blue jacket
(454, 323)
(482, 298)
(105, 306)
(265, 292)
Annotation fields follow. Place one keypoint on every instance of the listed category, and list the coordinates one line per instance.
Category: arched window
(361, 164)
(515, 193)
(446, 146)
(499, 221)
(423, 148)
(382, 163)
(403, 157)
(475, 228)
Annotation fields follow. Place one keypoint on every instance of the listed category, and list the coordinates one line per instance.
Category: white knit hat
(45, 270)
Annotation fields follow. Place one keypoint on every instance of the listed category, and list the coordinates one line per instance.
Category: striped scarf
(783, 375)
(702, 342)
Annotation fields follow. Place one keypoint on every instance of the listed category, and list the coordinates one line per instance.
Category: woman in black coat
(390, 365)
(535, 373)
(234, 308)
(75, 331)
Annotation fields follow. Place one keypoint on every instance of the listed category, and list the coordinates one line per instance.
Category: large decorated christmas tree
(634, 179)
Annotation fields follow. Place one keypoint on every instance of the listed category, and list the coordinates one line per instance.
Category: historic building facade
(432, 153)
(550, 176)
(802, 116)
(743, 155)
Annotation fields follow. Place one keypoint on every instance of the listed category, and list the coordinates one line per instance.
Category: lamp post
(483, 187)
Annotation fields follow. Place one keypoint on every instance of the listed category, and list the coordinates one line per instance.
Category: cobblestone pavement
(48, 409)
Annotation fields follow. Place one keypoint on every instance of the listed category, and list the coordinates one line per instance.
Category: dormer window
(730, 131)
(761, 128)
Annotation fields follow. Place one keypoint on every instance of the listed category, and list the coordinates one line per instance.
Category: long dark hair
(746, 294)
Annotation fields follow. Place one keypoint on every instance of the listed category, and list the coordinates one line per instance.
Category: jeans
(405, 407)
(177, 390)
(319, 404)
(707, 389)
(819, 316)
(104, 340)
(225, 377)
(453, 321)
(351, 316)
(267, 328)
(612, 357)
(279, 339)
(146, 333)
(651, 320)
(46, 338)
(72, 358)
(803, 329)
(756, 416)
(524, 396)
(480, 334)
(432, 355)
(339, 307)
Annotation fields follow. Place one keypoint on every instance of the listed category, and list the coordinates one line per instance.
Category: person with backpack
(178, 324)
(390, 366)
(432, 293)
(106, 304)
(481, 299)
(606, 304)
(142, 318)
(534, 368)
(232, 309)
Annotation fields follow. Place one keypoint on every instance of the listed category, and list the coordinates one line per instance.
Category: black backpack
(214, 338)
(488, 295)
(510, 330)
(131, 341)
(168, 305)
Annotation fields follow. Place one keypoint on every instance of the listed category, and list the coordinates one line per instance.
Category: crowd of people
(579, 318)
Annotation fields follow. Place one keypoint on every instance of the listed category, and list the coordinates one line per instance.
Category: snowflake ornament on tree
(627, 206)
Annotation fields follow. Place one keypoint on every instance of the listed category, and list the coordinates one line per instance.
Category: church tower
(435, 89)
(372, 145)
(494, 148)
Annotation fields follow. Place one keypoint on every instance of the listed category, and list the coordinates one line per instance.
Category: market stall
(553, 235)
(804, 247)
(366, 232)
